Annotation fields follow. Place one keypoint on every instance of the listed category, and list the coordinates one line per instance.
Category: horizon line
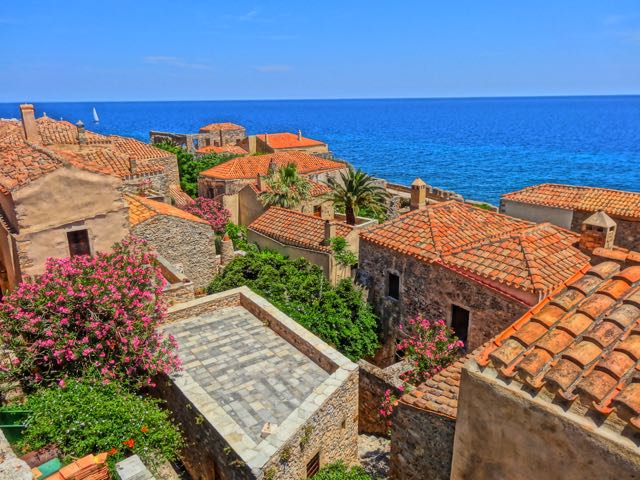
(488, 97)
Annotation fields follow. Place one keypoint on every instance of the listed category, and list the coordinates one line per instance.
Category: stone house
(296, 234)
(475, 269)
(224, 181)
(259, 395)
(557, 391)
(212, 135)
(284, 142)
(186, 241)
(250, 206)
(568, 206)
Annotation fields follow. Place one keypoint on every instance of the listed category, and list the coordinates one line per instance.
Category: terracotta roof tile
(517, 254)
(288, 140)
(180, 198)
(142, 209)
(225, 149)
(590, 199)
(295, 228)
(252, 166)
(212, 127)
(591, 353)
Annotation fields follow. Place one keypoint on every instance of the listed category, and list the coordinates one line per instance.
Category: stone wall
(11, 467)
(430, 290)
(421, 444)
(202, 305)
(374, 382)
(157, 183)
(503, 431)
(627, 231)
(185, 244)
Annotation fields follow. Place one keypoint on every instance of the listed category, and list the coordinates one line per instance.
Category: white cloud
(175, 62)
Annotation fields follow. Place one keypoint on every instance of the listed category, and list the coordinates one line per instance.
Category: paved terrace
(252, 373)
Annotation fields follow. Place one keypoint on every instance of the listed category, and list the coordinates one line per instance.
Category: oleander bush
(338, 315)
(89, 313)
(211, 211)
(84, 417)
(338, 471)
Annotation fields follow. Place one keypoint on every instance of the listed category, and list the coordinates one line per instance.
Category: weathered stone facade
(193, 141)
(374, 382)
(421, 444)
(430, 290)
(185, 244)
(627, 233)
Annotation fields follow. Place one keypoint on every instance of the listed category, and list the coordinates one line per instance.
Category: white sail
(95, 115)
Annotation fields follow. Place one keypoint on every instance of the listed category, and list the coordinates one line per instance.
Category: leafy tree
(355, 191)
(338, 471)
(87, 416)
(339, 315)
(190, 166)
(341, 253)
(285, 188)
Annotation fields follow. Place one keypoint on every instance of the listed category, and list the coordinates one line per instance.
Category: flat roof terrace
(253, 374)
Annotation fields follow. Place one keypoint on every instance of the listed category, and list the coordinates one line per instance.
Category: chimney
(299, 135)
(133, 166)
(259, 183)
(31, 132)
(266, 138)
(418, 194)
(329, 231)
(597, 231)
(81, 134)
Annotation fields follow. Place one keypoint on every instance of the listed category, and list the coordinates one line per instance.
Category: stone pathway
(374, 455)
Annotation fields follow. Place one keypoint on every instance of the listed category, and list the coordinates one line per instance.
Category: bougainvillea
(85, 314)
(428, 348)
(211, 211)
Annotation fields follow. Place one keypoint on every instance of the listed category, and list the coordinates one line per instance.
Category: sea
(478, 147)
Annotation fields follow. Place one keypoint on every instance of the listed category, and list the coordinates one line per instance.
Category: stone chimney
(133, 166)
(418, 194)
(599, 230)
(330, 231)
(299, 135)
(272, 166)
(259, 182)
(266, 138)
(31, 132)
(226, 250)
(81, 134)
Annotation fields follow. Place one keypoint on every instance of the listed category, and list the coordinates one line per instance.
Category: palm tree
(285, 188)
(356, 190)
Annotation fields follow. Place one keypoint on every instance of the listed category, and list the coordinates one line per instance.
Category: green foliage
(190, 166)
(285, 188)
(357, 191)
(89, 417)
(238, 235)
(338, 471)
(338, 315)
(484, 206)
(341, 253)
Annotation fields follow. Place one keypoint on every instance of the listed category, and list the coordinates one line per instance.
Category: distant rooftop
(288, 140)
(229, 149)
(590, 199)
(213, 127)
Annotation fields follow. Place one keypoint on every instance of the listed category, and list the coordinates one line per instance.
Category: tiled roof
(439, 394)
(317, 189)
(91, 467)
(57, 132)
(295, 228)
(580, 345)
(180, 198)
(221, 126)
(142, 209)
(288, 140)
(485, 245)
(230, 149)
(589, 199)
(252, 166)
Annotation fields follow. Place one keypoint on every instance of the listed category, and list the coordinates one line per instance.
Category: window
(393, 286)
(78, 242)
(317, 211)
(313, 466)
(460, 322)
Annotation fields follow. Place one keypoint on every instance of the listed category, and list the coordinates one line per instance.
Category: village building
(229, 150)
(224, 181)
(284, 142)
(557, 391)
(211, 135)
(568, 206)
(301, 235)
(259, 395)
(186, 241)
(475, 269)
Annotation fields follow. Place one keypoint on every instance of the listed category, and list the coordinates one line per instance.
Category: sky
(116, 50)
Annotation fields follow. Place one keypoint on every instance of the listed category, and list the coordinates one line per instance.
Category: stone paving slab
(252, 373)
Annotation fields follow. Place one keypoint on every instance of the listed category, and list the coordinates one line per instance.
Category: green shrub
(338, 315)
(87, 416)
(338, 471)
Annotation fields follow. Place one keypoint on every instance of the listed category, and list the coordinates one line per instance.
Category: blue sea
(478, 147)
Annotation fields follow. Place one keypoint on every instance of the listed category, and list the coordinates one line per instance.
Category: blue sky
(189, 50)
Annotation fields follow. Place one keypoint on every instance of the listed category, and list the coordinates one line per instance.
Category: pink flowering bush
(84, 314)
(428, 348)
(211, 211)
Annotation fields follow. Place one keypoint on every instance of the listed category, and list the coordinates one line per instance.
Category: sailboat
(95, 116)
